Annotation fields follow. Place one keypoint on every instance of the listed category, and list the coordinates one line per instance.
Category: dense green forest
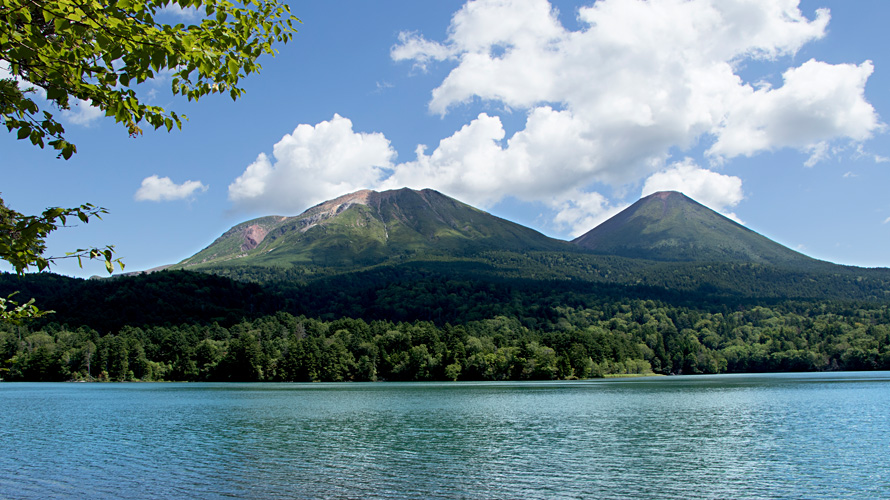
(816, 281)
(416, 323)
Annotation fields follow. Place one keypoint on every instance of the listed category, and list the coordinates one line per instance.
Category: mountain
(342, 254)
(367, 228)
(669, 226)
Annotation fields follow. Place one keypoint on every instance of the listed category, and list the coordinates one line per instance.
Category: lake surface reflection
(728, 436)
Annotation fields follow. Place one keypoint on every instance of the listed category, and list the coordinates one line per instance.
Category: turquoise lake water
(728, 436)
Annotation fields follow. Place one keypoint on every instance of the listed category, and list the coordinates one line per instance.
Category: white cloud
(382, 86)
(860, 152)
(606, 104)
(818, 153)
(156, 188)
(311, 165)
(468, 165)
(185, 14)
(82, 112)
(414, 47)
(581, 212)
(546, 160)
(716, 191)
(5, 74)
(638, 79)
(887, 220)
(819, 102)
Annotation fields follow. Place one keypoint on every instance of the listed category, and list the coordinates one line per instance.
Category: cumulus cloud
(606, 104)
(311, 165)
(638, 79)
(643, 77)
(545, 163)
(449, 167)
(716, 191)
(156, 188)
(817, 103)
(580, 212)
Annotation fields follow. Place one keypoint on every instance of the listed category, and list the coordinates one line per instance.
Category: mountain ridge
(367, 228)
(670, 226)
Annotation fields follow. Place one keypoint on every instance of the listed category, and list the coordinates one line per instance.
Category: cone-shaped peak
(670, 226)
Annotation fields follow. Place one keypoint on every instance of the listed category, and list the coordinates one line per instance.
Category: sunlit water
(764, 436)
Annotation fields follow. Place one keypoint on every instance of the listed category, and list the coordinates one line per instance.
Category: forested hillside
(413, 323)
(669, 226)
(635, 337)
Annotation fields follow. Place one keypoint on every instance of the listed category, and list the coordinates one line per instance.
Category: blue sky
(555, 115)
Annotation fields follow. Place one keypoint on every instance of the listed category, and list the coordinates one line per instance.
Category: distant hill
(361, 243)
(669, 226)
(158, 298)
(367, 228)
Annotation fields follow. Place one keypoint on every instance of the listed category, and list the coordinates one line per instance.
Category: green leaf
(97, 49)
(68, 150)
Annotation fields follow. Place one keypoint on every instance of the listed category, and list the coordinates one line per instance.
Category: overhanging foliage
(98, 51)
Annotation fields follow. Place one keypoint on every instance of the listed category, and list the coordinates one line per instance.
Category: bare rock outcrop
(253, 235)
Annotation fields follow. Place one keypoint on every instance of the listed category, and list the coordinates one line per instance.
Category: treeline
(173, 297)
(630, 337)
(816, 280)
(443, 320)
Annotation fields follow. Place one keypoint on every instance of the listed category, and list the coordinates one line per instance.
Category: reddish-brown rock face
(253, 236)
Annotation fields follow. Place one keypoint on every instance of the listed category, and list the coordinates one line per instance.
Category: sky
(555, 115)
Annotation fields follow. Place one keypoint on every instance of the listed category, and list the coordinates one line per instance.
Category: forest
(428, 326)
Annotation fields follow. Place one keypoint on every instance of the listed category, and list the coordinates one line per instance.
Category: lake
(823, 435)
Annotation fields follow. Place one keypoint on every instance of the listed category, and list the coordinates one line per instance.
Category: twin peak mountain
(367, 228)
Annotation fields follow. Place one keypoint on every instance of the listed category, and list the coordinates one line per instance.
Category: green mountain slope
(668, 226)
(665, 241)
(368, 228)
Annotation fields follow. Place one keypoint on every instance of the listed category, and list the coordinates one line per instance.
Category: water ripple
(803, 436)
